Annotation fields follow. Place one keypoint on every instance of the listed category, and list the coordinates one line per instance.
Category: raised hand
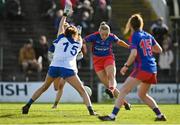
(68, 8)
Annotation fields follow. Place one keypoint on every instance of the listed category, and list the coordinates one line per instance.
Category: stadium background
(15, 32)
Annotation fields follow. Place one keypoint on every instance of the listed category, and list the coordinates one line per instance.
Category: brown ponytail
(136, 22)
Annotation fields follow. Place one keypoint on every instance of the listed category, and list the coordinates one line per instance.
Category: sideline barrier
(162, 93)
(22, 91)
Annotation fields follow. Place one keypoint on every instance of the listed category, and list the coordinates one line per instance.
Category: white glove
(50, 56)
(68, 8)
(79, 56)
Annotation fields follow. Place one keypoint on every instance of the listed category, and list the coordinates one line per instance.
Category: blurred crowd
(88, 14)
(33, 53)
(11, 9)
(162, 34)
(34, 56)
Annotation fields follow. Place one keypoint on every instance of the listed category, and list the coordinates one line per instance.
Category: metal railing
(1, 62)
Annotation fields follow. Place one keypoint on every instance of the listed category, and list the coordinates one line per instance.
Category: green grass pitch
(10, 113)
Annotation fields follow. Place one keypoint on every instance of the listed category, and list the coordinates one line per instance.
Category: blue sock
(30, 102)
(115, 111)
(157, 111)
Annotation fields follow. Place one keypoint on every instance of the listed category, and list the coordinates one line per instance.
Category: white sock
(159, 116)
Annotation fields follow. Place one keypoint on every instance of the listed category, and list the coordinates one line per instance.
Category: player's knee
(110, 76)
(141, 95)
(44, 88)
(61, 87)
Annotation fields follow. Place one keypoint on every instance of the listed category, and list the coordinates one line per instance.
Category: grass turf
(78, 114)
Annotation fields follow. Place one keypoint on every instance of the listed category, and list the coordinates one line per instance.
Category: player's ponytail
(104, 26)
(127, 28)
(136, 22)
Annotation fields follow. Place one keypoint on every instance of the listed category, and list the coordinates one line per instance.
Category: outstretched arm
(157, 48)
(123, 44)
(67, 11)
(61, 25)
(131, 57)
(130, 60)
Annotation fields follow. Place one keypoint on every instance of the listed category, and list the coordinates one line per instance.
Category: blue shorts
(60, 72)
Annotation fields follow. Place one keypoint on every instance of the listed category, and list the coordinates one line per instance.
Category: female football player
(60, 82)
(145, 70)
(103, 58)
(63, 64)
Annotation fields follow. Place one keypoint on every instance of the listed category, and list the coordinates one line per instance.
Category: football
(88, 90)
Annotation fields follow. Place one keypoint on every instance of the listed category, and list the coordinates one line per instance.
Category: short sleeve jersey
(65, 52)
(143, 42)
(101, 47)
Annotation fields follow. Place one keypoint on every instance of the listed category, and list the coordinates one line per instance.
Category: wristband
(65, 14)
(126, 65)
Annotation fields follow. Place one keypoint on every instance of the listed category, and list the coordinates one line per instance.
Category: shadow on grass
(7, 115)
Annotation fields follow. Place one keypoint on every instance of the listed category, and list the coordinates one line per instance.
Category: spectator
(13, 10)
(41, 50)
(102, 12)
(48, 9)
(57, 19)
(159, 29)
(109, 10)
(62, 3)
(83, 14)
(167, 39)
(108, 2)
(27, 58)
(166, 59)
(81, 9)
(85, 23)
(2, 6)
